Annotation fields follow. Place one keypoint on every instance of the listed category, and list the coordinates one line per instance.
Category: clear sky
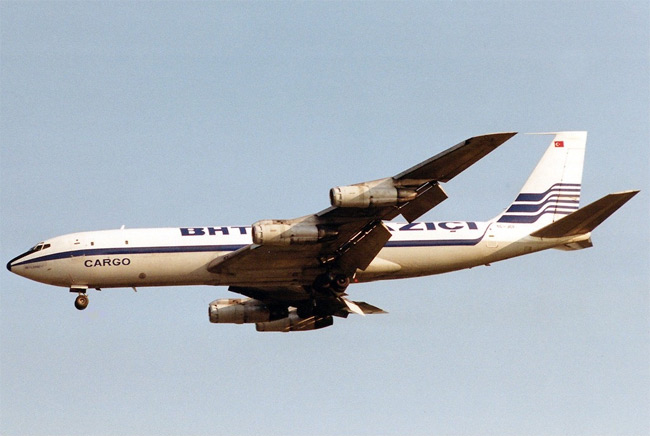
(150, 114)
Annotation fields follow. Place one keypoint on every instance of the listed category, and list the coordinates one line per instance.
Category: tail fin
(553, 189)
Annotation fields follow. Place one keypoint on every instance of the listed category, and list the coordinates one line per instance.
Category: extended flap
(428, 198)
(360, 251)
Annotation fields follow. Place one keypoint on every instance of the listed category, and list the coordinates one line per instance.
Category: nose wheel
(81, 302)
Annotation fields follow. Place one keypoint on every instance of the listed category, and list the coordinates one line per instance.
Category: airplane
(295, 273)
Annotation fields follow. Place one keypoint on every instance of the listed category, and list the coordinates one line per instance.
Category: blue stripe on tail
(560, 199)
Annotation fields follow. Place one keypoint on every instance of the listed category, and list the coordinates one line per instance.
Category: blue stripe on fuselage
(225, 248)
(132, 250)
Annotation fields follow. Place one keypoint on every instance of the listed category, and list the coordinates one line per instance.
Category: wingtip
(627, 195)
(498, 138)
(503, 136)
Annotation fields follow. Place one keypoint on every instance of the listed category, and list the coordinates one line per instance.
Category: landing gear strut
(326, 294)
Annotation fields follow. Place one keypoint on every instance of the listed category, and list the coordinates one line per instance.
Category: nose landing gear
(81, 302)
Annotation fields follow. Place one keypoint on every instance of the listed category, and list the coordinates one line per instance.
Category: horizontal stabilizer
(585, 219)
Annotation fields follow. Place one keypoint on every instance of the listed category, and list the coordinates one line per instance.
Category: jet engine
(294, 323)
(364, 195)
(283, 232)
(238, 311)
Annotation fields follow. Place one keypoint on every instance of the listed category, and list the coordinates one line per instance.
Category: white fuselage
(180, 256)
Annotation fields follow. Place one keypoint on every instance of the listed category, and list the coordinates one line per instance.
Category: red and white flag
(559, 144)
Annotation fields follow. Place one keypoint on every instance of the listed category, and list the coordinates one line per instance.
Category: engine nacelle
(365, 195)
(280, 232)
(293, 323)
(238, 311)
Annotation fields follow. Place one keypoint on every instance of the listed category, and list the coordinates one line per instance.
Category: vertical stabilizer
(553, 189)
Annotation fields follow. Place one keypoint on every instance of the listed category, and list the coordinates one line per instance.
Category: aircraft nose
(10, 264)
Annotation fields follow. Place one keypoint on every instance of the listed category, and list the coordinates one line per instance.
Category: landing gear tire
(81, 302)
(330, 282)
(340, 284)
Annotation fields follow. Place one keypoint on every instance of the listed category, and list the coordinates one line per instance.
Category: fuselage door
(490, 237)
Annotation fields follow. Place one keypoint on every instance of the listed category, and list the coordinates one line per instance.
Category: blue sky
(150, 114)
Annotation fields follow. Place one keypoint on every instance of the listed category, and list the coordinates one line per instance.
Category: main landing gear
(336, 283)
(325, 295)
(81, 302)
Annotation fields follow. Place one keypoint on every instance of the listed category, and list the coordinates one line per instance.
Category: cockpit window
(40, 246)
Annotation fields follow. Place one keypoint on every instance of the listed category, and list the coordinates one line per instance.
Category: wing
(287, 258)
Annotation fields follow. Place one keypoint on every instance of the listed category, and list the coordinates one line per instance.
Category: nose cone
(10, 264)
(15, 260)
